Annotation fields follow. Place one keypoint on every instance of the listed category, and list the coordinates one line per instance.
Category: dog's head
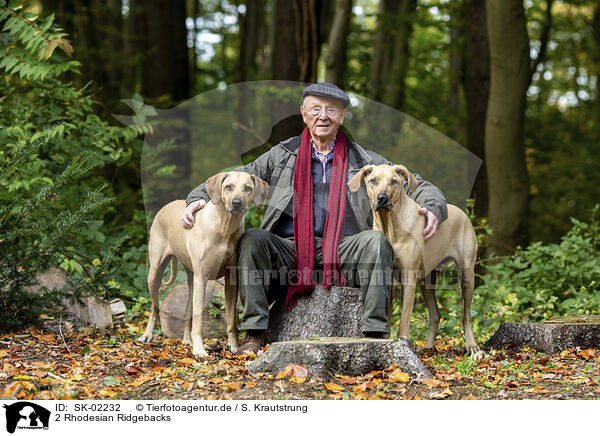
(384, 184)
(236, 190)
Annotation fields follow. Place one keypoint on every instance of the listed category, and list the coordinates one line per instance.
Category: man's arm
(197, 199)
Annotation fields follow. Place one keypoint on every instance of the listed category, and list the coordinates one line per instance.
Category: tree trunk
(596, 26)
(456, 47)
(163, 43)
(251, 39)
(335, 59)
(477, 91)
(296, 45)
(391, 54)
(504, 136)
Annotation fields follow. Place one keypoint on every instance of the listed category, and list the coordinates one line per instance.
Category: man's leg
(260, 254)
(369, 257)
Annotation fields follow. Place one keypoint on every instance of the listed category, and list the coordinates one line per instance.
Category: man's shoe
(253, 341)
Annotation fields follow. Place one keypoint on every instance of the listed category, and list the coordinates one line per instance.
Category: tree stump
(172, 312)
(323, 333)
(324, 357)
(550, 336)
(333, 312)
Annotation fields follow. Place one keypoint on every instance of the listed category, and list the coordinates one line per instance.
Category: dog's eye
(229, 187)
(393, 182)
(373, 181)
(247, 188)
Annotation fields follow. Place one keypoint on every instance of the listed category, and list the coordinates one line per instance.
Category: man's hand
(187, 219)
(431, 221)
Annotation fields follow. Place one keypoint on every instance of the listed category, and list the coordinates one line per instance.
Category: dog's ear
(354, 183)
(261, 189)
(214, 186)
(408, 176)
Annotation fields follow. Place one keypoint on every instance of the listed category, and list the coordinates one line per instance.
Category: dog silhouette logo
(26, 415)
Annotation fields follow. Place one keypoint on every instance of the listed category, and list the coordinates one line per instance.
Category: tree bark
(596, 28)
(476, 81)
(391, 53)
(251, 39)
(296, 45)
(335, 59)
(163, 45)
(504, 136)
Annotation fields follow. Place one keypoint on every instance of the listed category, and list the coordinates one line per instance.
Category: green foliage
(544, 281)
(53, 198)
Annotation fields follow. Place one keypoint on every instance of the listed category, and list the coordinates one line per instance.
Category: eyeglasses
(317, 111)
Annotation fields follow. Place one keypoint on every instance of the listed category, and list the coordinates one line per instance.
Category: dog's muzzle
(383, 202)
(237, 205)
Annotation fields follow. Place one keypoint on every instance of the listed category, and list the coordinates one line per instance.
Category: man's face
(327, 121)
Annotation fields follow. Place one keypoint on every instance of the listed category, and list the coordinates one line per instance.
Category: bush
(544, 281)
(52, 197)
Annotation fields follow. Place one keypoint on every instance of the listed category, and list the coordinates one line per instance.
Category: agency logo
(26, 415)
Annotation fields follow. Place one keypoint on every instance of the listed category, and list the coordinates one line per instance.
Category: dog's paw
(199, 352)
(144, 339)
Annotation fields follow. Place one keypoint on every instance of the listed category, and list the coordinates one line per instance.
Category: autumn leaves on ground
(110, 364)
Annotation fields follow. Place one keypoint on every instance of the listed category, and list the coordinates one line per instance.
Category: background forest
(515, 82)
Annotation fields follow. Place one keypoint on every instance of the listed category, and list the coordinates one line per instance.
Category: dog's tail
(173, 272)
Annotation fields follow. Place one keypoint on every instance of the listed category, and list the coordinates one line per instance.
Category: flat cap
(328, 90)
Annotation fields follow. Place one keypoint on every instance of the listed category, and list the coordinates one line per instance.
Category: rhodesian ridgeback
(206, 250)
(396, 215)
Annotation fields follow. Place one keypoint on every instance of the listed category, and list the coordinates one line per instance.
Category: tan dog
(395, 214)
(206, 250)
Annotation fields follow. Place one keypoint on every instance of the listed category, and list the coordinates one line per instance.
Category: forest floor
(110, 364)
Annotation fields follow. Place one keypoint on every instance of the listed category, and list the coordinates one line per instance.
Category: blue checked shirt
(324, 158)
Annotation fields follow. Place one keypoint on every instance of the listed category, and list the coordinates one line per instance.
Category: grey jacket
(276, 167)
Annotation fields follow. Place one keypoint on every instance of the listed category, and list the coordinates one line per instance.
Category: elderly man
(313, 225)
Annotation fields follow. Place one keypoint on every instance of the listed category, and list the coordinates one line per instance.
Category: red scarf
(304, 234)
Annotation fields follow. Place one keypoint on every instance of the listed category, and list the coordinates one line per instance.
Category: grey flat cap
(328, 90)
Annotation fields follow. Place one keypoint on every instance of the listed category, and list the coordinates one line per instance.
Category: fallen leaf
(397, 376)
(233, 386)
(348, 380)
(216, 381)
(538, 390)
(10, 369)
(298, 371)
(251, 384)
(470, 397)
(280, 375)
(333, 387)
(432, 383)
(111, 381)
(337, 396)
(108, 393)
(133, 370)
(297, 379)
(587, 354)
(3, 353)
(186, 361)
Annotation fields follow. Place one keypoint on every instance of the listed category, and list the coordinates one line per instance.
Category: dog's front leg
(409, 283)
(200, 281)
(187, 316)
(231, 294)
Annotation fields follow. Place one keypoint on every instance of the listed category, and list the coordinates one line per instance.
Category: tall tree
(297, 43)
(476, 82)
(335, 58)
(252, 39)
(391, 51)
(596, 27)
(163, 42)
(504, 128)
